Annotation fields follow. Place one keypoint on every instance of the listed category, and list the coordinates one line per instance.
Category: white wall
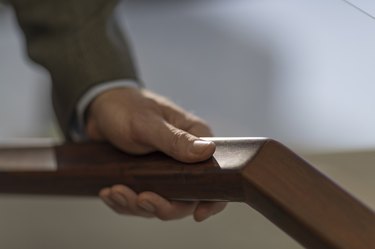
(299, 71)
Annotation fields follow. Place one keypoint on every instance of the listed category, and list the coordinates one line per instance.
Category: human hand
(138, 122)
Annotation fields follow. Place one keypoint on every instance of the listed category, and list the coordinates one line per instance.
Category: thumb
(180, 144)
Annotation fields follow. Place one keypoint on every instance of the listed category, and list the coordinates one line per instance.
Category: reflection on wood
(261, 172)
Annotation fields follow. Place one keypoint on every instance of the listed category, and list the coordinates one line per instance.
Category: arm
(80, 44)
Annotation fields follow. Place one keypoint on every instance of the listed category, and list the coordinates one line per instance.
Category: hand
(138, 122)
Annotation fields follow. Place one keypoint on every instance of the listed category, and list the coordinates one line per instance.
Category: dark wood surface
(305, 203)
(261, 172)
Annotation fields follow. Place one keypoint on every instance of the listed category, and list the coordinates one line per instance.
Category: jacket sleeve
(79, 43)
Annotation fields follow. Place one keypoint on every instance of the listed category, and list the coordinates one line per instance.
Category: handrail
(261, 172)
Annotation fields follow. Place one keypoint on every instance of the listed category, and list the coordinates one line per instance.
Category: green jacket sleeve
(79, 43)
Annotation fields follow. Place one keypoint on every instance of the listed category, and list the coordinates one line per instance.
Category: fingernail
(199, 146)
(121, 199)
(147, 206)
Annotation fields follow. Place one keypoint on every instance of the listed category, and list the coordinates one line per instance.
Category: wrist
(83, 119)
(103, 105)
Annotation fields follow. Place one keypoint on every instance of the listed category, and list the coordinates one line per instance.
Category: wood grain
(261, 172)
(304, 203)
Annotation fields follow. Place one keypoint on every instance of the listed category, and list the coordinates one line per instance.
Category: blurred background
(299, 71)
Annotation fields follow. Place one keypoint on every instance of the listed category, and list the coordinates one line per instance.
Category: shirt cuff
(77, 129)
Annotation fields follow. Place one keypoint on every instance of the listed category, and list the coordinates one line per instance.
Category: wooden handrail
(260, 172)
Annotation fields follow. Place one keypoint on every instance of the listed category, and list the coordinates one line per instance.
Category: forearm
(79, 43)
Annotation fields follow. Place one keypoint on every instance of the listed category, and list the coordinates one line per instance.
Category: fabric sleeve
(79, 42)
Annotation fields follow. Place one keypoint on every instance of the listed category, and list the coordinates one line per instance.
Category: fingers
(140, 122)
(148, 204)
(206, 209)
(123, 200)
(175, 132)
(178, 143)
(164, 209)
(200, 129)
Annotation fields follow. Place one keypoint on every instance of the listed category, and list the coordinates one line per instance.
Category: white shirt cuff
(77, 130)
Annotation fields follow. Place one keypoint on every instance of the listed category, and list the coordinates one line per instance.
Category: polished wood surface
(261, 172)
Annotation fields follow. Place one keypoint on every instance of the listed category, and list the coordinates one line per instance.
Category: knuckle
(203, 128)
(104, 193)
(199, 127)
(176, 143)
(165, 216)
(118, 188)
(200, 122)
